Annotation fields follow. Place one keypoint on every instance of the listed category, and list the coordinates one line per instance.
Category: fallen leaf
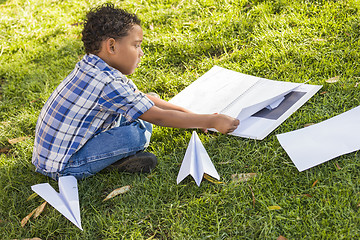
(151, 26)
(225, 162)
(333, 79)
(356, 84)
(322, 93)
(358, 204)
(39, 210)
(314, 183)
(242, 177)
(337, 166)
(308, 124)
(302, 195)
(253, 195)
(26, 219)
(35, 100)
(281, 238)
(211, 179)
(5, 149)
(36, 212)
(117, 191)
(274, 208)
(16, 140)
(32, 196)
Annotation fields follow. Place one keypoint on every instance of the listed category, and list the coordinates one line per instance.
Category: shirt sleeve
(122, 96)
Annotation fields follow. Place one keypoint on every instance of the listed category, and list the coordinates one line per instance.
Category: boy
(97, 117)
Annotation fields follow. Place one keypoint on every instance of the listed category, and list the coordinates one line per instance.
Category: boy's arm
(179, 119)
(166, 105)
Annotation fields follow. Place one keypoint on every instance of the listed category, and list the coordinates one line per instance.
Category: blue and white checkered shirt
(88, 101)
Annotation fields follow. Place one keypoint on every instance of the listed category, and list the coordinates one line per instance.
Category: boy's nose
(141, 53)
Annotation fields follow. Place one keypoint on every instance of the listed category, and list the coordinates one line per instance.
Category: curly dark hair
(106, 21)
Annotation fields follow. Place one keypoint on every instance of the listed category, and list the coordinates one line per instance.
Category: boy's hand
(225, 124)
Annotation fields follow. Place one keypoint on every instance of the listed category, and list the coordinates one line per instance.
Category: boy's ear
(110, 45)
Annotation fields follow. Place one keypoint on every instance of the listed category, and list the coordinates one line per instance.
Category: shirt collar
(97, 62)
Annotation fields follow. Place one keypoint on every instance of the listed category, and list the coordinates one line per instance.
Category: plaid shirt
(88, 101)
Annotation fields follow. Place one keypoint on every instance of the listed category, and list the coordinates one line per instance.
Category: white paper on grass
(242, 96)
(318, 143)
(66, 201)
(196, 162)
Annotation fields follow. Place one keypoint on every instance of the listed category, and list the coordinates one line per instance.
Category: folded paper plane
(196, 162)
(66, 202)
(260, 104)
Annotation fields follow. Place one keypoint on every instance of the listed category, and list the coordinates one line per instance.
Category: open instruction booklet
(260, 104)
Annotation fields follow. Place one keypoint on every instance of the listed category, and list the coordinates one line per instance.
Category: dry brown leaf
(274, 208)
(211, 179)
(322, 93)
(26, 219)
(117, 191)
(308, 124)
(253, 196)
(36, 212)
(5, 149)
(242, 177)
(337, 166)
(39, 209)
(16, 140)
(227, 162)
(358, 204)
(314, 183)
(281, 238)
(333, 79)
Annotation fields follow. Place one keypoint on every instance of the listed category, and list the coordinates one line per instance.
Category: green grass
(287, 40)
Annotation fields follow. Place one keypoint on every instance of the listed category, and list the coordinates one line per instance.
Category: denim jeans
(106, 148)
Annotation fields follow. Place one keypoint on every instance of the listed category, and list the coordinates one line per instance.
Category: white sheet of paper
(318, 143)
(241, 96)
(264, 93)
(259, 126)
(66, 202)
(196, 162)
(214, 91)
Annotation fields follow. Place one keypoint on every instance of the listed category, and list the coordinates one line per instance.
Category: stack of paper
(260, 104)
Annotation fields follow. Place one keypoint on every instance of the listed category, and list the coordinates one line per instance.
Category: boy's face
(127, 51)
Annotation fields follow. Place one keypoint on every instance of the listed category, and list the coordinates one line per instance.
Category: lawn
(286, 40)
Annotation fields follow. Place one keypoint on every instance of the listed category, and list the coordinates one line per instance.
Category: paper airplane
(196, 162)
(66, 202)
(260, 104)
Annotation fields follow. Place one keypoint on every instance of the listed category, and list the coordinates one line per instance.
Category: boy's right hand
(225, 124)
